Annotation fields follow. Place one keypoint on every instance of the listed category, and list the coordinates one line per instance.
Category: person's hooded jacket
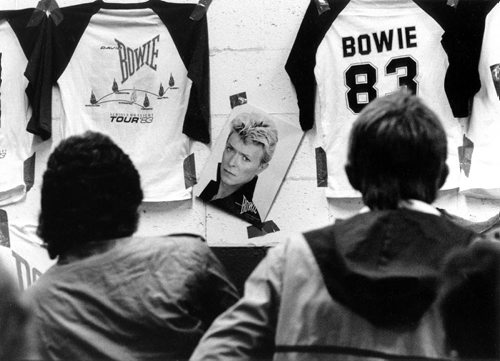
(363, 287)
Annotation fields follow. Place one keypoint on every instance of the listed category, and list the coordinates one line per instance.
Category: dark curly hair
(397, 151)
(91, 192)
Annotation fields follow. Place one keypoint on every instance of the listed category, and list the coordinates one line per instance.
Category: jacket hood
(384, 265)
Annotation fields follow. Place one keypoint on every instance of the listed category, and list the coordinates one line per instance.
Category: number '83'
(361, 80)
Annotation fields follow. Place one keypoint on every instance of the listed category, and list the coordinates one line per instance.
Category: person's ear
(262, 167)
(352, 175)
(444, 174)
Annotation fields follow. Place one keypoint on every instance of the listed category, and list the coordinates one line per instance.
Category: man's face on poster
(241, 161)
(495, 72)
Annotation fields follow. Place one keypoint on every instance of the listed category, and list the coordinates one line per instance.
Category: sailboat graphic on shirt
(136, 97)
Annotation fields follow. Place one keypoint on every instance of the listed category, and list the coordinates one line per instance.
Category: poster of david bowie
(248, 163)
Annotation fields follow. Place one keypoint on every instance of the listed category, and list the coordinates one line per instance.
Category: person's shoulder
(293, 243)
(488, 239)
(323, 231)
(176, 243)
(187, 239)
(182, 250)
(184, 237)
(42, 285)
(170, 240)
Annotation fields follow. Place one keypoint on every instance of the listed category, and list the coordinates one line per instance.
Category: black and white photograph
(248, 163)
(201, 180)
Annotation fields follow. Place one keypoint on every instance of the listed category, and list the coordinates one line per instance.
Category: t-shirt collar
(412, 204)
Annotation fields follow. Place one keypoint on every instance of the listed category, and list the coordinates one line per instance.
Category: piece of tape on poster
(321, 168)
(266, 228)
(465, 155)
(189, 171)
(200, 10)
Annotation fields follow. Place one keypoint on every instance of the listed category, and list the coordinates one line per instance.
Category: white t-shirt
(484, 130)
(363, 49)
(17, 40)
(138, 73)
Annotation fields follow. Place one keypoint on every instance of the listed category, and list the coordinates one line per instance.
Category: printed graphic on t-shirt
(495, 75)
(361, 78)
(131, 61)
(132, 96)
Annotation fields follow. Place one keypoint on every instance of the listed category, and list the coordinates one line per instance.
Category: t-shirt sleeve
(197, 120)
(462, 42)
(191, 39)
(51, 54)
(463, 34)
(302, 59)
(31, 29)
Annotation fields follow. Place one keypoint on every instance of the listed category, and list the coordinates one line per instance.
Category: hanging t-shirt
(138, 73)
(484, 130)
(361, 49)
(21, 36)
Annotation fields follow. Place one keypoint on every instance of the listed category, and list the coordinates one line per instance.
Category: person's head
(249, 148)
(91, 192)
(397, 151)
(470, 301)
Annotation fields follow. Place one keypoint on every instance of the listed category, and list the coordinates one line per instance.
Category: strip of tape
(321, 168)
(267, 227)
(200, 10)
(189, 171)
(322, 6)
(36, 17)
(4, 229)
(465, 155)
(29, 171)
(43, 8)
(238, 99)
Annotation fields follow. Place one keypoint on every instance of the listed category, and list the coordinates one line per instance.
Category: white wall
(249, 44)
